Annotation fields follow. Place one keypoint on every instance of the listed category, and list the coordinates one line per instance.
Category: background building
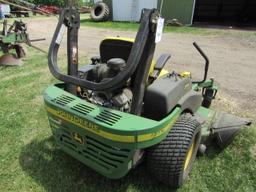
(187, 11)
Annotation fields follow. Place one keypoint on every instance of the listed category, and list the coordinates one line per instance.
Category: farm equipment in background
(85, 9)
(49, 9)
(11, 38)
(124, 107)
(44, 10)
(20, 7)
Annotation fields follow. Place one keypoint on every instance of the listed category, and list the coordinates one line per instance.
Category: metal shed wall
(183, 10)
(130, 10)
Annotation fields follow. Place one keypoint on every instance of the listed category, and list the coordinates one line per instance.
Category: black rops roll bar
(206, 62)
(69, 17)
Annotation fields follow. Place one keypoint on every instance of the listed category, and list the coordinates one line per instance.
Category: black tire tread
(166, 160)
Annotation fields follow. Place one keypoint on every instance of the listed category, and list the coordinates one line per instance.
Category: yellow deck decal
(167, 128)
(115, 137)
(90, 126)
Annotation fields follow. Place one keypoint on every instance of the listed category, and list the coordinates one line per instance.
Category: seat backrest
(115, 48)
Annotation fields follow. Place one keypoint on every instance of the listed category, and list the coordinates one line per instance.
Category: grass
(131, 26)
(124, 26)
(30, 160)
(205, 31)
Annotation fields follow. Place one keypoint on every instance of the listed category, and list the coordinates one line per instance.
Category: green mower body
(107, 140)
(124, 107)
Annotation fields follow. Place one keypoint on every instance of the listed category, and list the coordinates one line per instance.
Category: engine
(119, 99)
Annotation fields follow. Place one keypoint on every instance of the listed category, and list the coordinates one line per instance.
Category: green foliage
(58, 3)
(89, 4)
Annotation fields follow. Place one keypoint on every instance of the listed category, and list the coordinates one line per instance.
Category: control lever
(206, 62)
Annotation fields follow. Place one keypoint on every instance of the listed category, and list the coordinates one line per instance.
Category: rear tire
(171, 160)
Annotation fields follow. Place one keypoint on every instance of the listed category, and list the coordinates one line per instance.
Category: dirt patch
(232, 55)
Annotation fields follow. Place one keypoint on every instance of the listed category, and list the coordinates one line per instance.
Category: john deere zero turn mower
(124, 108)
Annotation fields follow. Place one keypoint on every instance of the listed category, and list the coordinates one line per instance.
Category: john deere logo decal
(78, 138)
